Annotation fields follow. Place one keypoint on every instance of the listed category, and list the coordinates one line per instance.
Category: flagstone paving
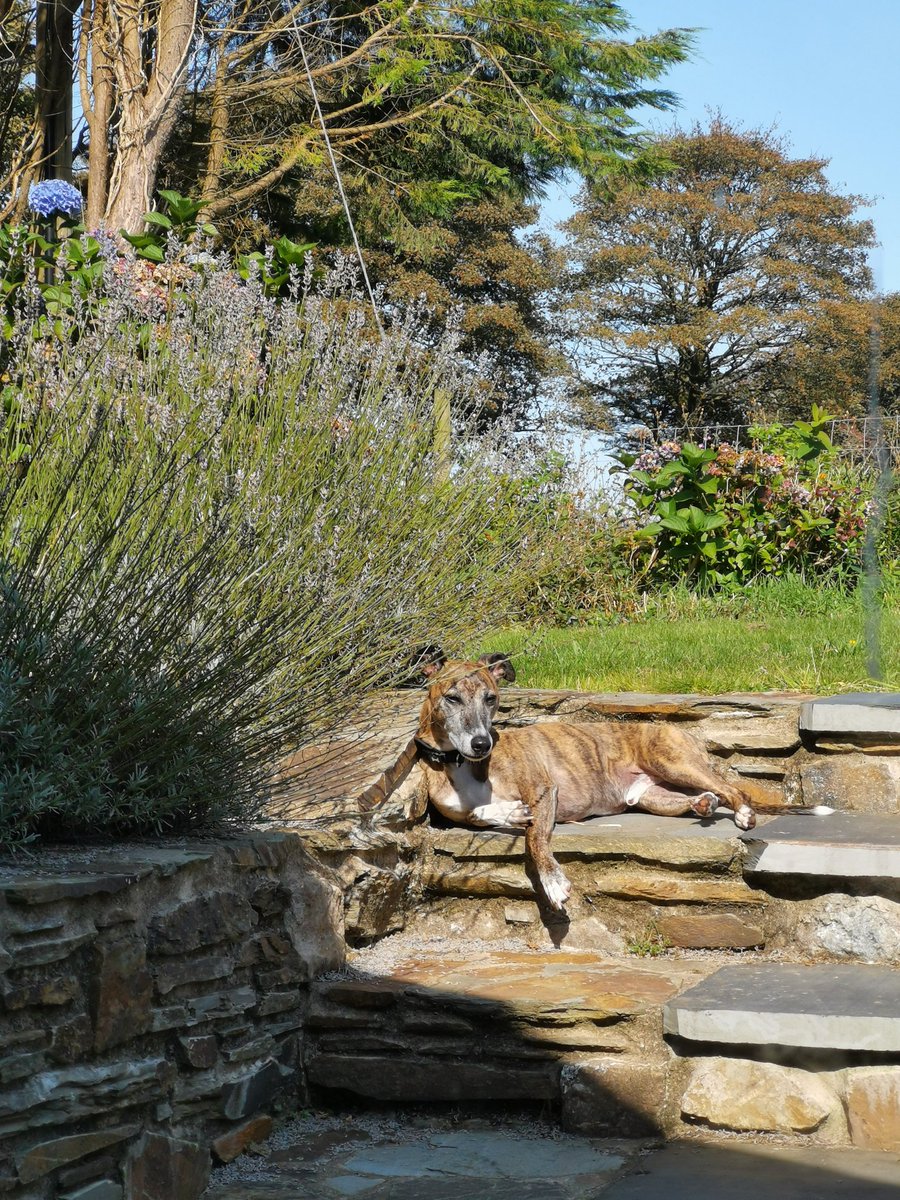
(438, 1158)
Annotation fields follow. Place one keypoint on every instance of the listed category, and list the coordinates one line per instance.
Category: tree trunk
(97, 93)
(218, 133)
(148, 95)
(53, 78)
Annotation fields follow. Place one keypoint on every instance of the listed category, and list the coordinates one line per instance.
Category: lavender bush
(221, 522)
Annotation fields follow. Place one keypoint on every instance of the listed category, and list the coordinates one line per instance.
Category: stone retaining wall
(151, 1007)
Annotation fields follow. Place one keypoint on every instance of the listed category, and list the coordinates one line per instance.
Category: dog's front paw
(556, 887)
(744, 817)
(521, 816)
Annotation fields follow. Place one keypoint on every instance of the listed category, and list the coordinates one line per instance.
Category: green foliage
(205, 550)
(277, 266)
(472, 99)
(800, 442)
(69, 272)
(719, 517)
(24, 254)
(179, 223)
(650, 943)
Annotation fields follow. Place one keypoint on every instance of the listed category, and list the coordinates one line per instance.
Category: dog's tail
(790, 810)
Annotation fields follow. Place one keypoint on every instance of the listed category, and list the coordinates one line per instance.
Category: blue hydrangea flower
(54, 196)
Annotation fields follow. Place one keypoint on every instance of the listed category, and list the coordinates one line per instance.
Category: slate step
(835, 847)
(815, 1006)
(490, 1025)
(856, 713)
(618, 1046)
(838, 846)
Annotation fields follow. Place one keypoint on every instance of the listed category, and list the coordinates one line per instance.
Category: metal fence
(859, 440)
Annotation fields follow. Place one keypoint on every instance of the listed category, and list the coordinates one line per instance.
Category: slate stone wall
(152, 1003)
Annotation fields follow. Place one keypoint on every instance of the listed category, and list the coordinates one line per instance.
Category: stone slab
(674, 841)
(391, 1077)
(671, 888)
(540, 986)
(873, 1107)
(519, 703)
(433, 1160)
(827, 1007)
(746, 1171)
(839, 845)
(20, 889)
(854, 712)
(100, 1189)
(40, 1159)
(710, 931)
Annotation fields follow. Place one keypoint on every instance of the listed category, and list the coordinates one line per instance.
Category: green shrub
(584, 577)
(717, 517)
(220, 525)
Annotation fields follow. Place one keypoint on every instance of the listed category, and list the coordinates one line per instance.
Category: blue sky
(825, 73)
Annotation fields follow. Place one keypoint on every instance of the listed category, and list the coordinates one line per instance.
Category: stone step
(618, 1046)
(815, 1006)
(489, 1025)
(836, 846)
(807, 884)
(866, 714)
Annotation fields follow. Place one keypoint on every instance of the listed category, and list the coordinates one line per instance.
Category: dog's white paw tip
(557, 889)
(745, 817)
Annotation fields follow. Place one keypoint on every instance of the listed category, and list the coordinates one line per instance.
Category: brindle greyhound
(531, 777)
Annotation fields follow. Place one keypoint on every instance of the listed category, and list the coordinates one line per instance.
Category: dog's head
(461, 704)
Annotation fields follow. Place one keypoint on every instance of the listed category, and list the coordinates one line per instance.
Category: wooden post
(54, 57)
(443, 432)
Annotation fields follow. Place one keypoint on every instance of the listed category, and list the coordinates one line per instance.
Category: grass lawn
(752, 647)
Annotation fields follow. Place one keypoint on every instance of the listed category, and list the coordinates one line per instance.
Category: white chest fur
(462, 793)
(463, 798)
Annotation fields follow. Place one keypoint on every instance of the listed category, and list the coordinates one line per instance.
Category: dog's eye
(451, 699)
(491, 699)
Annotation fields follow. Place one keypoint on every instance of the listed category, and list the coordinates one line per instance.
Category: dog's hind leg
(663, 802)
(553, 881)
(677, 760)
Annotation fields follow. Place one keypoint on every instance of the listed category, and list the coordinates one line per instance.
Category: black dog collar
(439, 758)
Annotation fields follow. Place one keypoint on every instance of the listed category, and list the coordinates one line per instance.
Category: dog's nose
(481, 745)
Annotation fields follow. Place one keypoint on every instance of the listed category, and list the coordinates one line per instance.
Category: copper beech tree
(689, 302)
(850, 348)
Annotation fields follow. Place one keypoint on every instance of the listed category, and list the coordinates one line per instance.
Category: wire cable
(337, 176)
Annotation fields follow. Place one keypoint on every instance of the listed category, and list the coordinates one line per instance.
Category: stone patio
(434, 1158)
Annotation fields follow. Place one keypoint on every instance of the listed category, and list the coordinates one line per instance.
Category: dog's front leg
(500, 815)
(553, 881)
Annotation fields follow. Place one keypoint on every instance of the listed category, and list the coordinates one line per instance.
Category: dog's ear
(499, 666)
(428, 660)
